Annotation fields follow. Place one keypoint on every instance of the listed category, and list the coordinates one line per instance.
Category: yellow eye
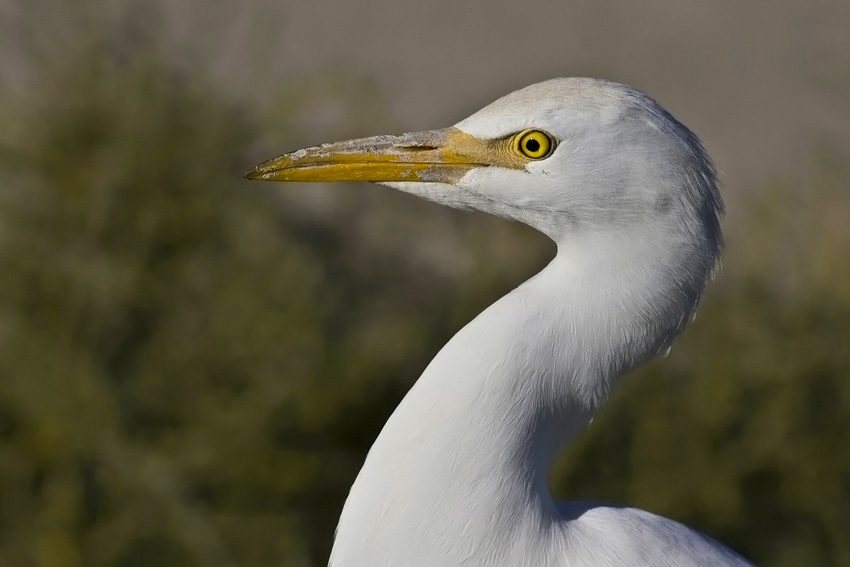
(534, 144)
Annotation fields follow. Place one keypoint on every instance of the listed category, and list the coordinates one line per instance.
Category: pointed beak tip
(255, 173)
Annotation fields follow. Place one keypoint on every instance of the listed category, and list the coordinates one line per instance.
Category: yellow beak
(442, 156)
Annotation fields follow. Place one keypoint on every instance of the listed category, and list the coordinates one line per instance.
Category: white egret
(458, 475)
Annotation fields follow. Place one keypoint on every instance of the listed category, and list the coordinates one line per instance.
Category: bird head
(570, 157)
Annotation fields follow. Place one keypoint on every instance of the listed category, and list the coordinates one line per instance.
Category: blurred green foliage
(193, 366)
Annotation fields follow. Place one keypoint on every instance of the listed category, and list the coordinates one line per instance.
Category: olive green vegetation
(193, 366)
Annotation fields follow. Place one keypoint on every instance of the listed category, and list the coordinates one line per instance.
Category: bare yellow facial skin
(442, 156)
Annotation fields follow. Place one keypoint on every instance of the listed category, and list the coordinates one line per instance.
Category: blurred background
(192, 366)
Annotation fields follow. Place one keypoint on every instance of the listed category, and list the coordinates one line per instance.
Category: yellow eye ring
(534, 144)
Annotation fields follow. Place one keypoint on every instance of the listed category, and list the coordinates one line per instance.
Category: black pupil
(532, 145)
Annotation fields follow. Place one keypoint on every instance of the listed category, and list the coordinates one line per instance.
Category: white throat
(458, 476)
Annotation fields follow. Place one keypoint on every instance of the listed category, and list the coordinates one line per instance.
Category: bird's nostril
(417, 148)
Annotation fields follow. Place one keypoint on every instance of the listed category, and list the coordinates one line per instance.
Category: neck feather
(460, 469)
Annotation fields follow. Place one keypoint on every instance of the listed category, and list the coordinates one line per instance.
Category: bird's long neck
(459, 472)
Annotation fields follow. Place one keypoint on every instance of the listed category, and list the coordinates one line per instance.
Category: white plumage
(458, 476)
